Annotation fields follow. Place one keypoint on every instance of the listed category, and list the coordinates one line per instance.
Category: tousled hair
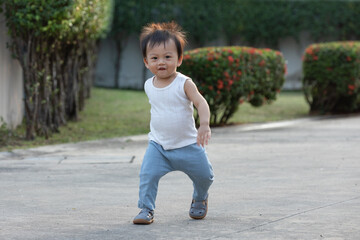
(156, 33)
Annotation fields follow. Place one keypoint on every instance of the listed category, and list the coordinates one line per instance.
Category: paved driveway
(286, 180)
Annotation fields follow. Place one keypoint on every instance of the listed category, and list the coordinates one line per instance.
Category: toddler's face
(162, 60)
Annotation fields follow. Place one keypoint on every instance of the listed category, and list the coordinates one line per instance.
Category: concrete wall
(105, 70)
(293, 51)
(11, 83)
(132, 72)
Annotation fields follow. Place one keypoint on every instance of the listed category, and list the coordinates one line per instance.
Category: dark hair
(157, 33)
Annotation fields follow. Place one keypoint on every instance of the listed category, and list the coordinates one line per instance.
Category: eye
(168, 56)
(154, 58)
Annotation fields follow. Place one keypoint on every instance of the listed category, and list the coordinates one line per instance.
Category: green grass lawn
(289, 105)
(113, 113)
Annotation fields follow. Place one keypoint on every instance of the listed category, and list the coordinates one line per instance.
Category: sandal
(198, 210)
(146, 216)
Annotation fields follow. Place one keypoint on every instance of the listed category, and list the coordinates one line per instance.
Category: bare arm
(204, 131)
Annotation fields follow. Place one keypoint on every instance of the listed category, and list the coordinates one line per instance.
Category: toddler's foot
(198, 210)
(146, 216)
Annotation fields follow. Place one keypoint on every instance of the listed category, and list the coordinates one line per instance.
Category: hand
(204, 135)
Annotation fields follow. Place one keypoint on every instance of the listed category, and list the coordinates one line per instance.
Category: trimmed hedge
(56, 45)
(332, 77)
(227, 76)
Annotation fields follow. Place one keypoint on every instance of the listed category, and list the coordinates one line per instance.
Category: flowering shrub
(332, 77)
(229, 76)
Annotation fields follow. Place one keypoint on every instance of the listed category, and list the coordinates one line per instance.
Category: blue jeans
(191, 159)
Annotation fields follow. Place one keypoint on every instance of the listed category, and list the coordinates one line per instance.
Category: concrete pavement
(287, 180)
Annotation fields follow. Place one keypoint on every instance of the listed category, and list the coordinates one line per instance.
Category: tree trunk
(57, 80)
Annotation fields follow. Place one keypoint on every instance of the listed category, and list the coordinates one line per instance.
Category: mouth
(161, 69)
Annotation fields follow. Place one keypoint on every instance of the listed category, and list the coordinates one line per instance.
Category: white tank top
(172, 122)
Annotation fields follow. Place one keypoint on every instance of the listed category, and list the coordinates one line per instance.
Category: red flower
(230, 82)
(348, 58)
(309, 51)
(210, 88)
(315, 58)
(252, 51)
(226, 74)
(239, 73)
(211, 58)
(351, 87)
(220, 84)
(187, 56)
(262, 63)
(231, 59)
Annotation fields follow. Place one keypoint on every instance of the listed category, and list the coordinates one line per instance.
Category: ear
(180, 61)
(146, 63)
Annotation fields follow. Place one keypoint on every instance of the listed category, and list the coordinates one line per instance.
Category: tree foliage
(254, 22)
(55, 43)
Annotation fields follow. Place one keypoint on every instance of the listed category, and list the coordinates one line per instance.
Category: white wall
(292, 51)
(132, 68)
(105, 70)
(11, 83)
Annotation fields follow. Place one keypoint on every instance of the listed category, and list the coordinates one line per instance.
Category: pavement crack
(289, 216)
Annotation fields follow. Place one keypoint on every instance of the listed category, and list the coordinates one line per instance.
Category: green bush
(56, 45)
(332, 77)
(227, 76)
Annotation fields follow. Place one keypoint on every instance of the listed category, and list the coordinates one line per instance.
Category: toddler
(174, 142)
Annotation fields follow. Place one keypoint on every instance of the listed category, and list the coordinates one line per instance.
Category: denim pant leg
(154, 166)
(193, 161)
